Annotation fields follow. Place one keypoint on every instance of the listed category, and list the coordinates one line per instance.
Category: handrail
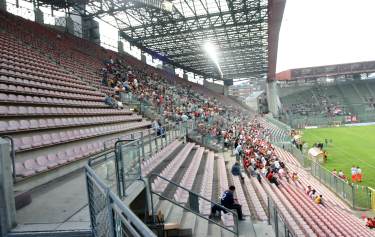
(124, 210)
(196, 194)
(94, 158)
(13, 156)
(120, 184)
(269, 198)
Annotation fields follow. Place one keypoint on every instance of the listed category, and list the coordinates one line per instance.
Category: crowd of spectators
(252, 147)
(179, 102)
(173, 101)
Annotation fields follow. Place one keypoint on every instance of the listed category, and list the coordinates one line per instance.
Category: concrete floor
(61, 205)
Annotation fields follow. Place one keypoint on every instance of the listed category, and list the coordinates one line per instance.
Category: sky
(323, 32)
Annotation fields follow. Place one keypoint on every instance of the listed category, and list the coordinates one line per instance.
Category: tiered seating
(307, 180)
(278, 135)
(40, 164)
(324, 217)
(43, 106)
(22, 125)
(301, 219)
(206, 188)
(156, 159)
(168, 172)
(189, 177)
(223, 185)
(251, 193)
(298, 231)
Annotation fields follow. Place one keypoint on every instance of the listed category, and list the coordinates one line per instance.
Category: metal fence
(110, 217)
(277, 220)
(186, 200)
(358, 196)
(129, 154)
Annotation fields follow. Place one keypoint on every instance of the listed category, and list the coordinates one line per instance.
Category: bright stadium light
(212, 53)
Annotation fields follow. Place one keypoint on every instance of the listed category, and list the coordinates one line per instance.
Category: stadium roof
(175, 31)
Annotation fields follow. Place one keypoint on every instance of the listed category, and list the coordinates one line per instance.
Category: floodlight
(212, 53)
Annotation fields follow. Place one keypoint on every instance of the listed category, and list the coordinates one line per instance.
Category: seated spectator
(318, 199)
(274, 181)
(342, 175)
(294, 177)
(110, 100)
(308, 190)
(313, 194)
(370, 222)
(236, 170)
(227, 200)
(334, 172)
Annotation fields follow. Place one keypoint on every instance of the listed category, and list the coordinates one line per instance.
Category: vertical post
(139, 161)
(161, 142)
(276, 221)
(353, 195)
(156, 144)
(110, 214)
(143, 145)
(149, 141)
(7, 204)
(268, 210)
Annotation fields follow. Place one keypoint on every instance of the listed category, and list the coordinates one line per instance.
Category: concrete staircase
(201, 171)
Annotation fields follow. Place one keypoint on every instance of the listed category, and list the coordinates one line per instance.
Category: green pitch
(350, 146)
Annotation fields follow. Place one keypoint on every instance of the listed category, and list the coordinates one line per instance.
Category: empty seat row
(50, 84)
(206, 188)
(47, 100)
(187, 181)
(159, 185)
(51, 138)
(30, 66)
(15, 71)
(53, 160)
(65, 77)
(53, 111)
(20, 61)
(31, 90)
(33, 124)
(28, 74)
(43, 163)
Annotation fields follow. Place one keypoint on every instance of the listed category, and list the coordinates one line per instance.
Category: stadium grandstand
(327, 95)
(148, 136)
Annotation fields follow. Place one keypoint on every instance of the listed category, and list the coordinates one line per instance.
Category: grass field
(350, 146)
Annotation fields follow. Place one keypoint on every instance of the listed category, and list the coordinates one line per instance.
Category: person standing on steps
(227, 200)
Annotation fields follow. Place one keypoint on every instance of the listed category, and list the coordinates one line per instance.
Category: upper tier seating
(54, 116)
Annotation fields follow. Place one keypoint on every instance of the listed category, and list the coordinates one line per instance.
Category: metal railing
(129, 154)
(357, 196)
(194, 203)
(109, 215)
(12, 155)
(277, 220)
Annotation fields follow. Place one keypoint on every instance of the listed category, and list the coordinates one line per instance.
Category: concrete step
(262, 229)
(165, 207)
(201, 227)
(188, 223)
(175, 215)
(214, 230)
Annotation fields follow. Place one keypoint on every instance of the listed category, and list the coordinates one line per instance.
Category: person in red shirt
(370, 223)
